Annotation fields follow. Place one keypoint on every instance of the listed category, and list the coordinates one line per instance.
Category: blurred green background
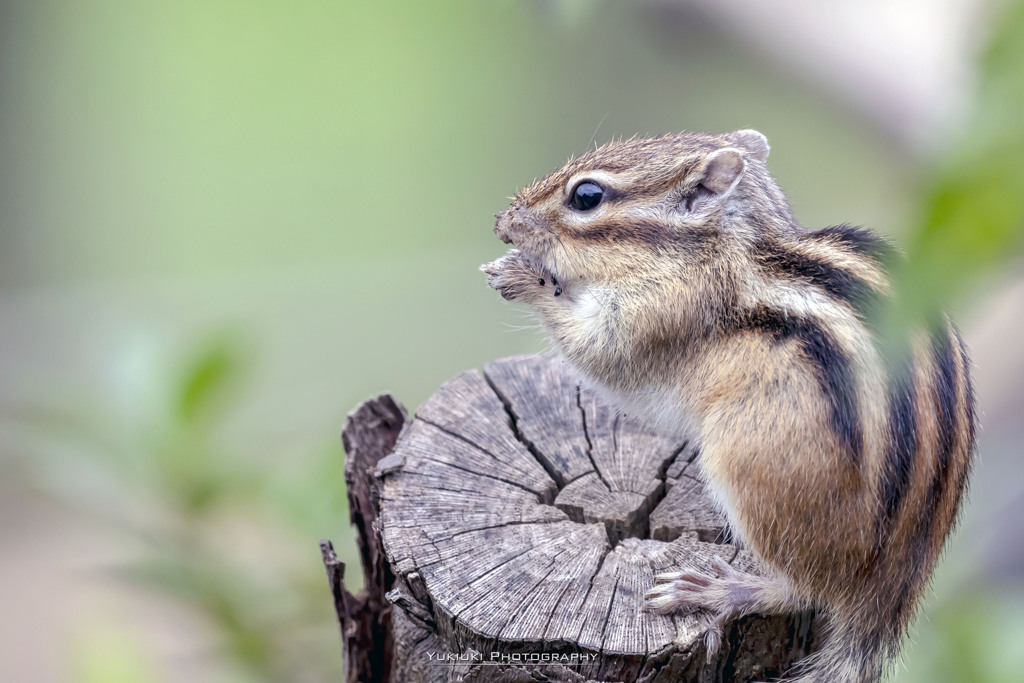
(223, 224)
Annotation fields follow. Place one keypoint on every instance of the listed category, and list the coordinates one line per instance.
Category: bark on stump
(519, 516)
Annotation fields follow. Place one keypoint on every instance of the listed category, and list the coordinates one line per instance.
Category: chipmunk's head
(621, 207)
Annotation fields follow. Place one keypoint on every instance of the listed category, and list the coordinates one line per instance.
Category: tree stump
(523, 520)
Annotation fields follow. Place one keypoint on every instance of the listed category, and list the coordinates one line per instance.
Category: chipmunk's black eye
(586, 196)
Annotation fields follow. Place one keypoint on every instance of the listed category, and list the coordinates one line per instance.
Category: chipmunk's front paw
(512, 276)
(691, 588)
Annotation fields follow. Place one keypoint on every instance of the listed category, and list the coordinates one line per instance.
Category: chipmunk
(671, 274)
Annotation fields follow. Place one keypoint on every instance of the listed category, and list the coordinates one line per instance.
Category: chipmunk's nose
(514, 223)
(503, 226)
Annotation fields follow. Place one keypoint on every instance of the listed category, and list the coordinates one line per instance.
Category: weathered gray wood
(524, 516)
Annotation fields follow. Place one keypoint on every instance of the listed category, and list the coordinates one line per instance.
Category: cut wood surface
(525, 518)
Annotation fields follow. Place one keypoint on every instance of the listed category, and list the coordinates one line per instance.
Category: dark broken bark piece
(370, 433)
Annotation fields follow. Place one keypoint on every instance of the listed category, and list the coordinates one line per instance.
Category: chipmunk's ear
(722, 170)
(750, 141)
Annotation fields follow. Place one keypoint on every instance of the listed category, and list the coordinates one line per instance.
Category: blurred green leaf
(229, 534)
(207, 381)
(973, 217)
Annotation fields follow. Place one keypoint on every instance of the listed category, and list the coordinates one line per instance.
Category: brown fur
(692, 296)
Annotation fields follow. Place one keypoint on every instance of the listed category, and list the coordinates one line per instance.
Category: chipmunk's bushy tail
(850, 654)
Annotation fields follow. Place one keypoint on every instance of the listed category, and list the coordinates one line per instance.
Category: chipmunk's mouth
(539, 259)
(540, 266)
(538, 245)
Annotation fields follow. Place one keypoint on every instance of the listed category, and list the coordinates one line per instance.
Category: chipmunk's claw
(674, 591)
(713, 638)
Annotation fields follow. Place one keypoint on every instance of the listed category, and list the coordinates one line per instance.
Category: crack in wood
(615, 432)
(586, 435)
(590, 586)
(606, 621)
(513, 423)
(578, 477)
(552, 565)
(671, 460)
(453, 489)
(503, 525)
(494, 569)
(541, 498)
(553, 612)
(460, 437)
